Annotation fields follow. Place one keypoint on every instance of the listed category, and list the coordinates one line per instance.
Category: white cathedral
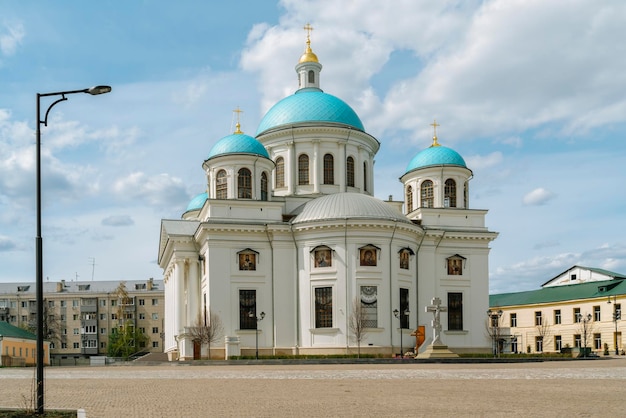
(288, 239)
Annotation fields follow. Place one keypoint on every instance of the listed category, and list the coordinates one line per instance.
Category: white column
(316, 165)
(179, 323)
(193, 293)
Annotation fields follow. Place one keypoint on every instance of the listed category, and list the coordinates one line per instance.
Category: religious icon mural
(368, 256)
(455, 265)
(323, 258)
(247, 261)
(404, 259)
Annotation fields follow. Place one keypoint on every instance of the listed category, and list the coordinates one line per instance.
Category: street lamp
(585, 319)
(39, 240)
(494, 322)
(396, 313)
(256, 329)
(617, 315)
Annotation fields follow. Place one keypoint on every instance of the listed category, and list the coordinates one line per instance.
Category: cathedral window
(449, 198)
(427, 194)
(244, 184)
(350, 171)
(323, 307)
(369, 306)
(221, 186)
(264, 186)
(365, 176)
(455, 311)
(247, 306)
(311, 77)
(404, 307)
(280, 172)
(303, 169)
(409, 199)
(329, 169)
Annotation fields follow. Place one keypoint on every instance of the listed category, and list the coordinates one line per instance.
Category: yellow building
(581, 307)
(18, 347)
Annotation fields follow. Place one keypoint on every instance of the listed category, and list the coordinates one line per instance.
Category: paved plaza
(556, 388)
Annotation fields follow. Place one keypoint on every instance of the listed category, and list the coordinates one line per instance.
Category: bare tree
(586, 328)
(207, 330)
(545, 332)
(51, 325)
(358, 323)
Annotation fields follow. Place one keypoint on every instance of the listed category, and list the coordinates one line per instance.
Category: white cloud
(477, 162)
(156, 190)
(118, 220)
(538, 197)
(11, 37)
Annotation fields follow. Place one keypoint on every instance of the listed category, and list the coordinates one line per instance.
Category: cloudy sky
(530, 92)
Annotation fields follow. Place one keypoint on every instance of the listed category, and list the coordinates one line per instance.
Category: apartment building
(79, 316)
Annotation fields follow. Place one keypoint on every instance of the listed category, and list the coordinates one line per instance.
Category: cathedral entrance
(197, 350)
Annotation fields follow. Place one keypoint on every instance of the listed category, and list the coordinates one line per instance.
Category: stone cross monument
(436, 308)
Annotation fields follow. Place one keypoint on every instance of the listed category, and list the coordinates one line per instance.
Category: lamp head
(396, 312)
(98, 90)
(262, 315)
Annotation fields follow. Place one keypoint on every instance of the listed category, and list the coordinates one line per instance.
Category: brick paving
(573, 388)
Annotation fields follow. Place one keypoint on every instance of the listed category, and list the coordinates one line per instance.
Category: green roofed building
(580, 307)
(18, 347)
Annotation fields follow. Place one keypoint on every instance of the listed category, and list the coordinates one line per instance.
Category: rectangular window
(404, 307)
(113, 316)
(323, 307)
(155, 316)
(50, 305)
(142, 330)
(103, 302)
(76, 345)
(557, 316)
(155, 344)
(142, 302)
(103, 330)
(114, 303)
(617, 313)
(63, 304)
(455, 311)
(75, 331)
(75, 303)
(538, 318)
(513, 320)
(539, 344)
(577, 316)
(142, 315)
(24, 318)
(597, 341)
(247, 309)
(596, 313)
(155, 330)
(103, 345)
(155, 302)
(75, 317)
(577, 341)
(369, 306)
(24, 304)
(558, 344)
(62, 317)
(103, 316)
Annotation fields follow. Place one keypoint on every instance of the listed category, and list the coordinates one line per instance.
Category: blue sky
(530, 93)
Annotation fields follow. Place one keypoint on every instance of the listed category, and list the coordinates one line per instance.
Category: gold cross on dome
(434, 125)
(308, 28)
(238, 126)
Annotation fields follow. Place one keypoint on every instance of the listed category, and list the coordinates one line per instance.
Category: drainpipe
(269, 241)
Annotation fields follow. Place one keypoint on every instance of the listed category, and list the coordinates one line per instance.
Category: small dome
(308, 56)
(310, 105)
(197, 202)
(238, 143)
(347, 206)
(434, 156)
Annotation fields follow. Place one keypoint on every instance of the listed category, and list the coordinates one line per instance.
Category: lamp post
(39, 240)
(617, 315)
(396, 313)
(494, 322)
(256, 329)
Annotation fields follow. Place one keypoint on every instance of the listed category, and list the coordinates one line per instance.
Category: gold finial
(308, 55)
(238, 125)
(434, 125)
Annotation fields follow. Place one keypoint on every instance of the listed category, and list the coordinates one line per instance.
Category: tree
(586, 330)
(545, 332)
(127, 338)
(207, 330)
(357, 323)
(51, 325)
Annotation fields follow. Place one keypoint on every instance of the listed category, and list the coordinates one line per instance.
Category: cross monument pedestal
(436, 349)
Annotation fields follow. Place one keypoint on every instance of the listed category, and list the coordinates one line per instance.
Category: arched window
(264, 186)
(280, 172)
(303, 169)
(311, 76)
(449, 194)
(364, 177)
(409, 199)
(221, 186)
(244, 184)
(427, 196)
(329, 169)
(350, 171)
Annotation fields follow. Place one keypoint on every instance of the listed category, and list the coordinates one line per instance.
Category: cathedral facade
(290, 249)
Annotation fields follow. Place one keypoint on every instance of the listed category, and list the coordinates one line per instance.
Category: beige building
(581, 307)
(81, 315)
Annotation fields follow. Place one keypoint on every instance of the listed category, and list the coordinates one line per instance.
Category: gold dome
(308, 55)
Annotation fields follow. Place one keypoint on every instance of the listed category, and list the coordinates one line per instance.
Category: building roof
(436, 155)
(607, 273)
(238, 143)
(197, 202)
(347, 206)
(82, 286)
(309, 105)
(589, 290)
(8, 330)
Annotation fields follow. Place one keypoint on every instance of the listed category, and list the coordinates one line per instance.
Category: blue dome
(310, 105)
(436, 155)
(197, 202)
(238, 144)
